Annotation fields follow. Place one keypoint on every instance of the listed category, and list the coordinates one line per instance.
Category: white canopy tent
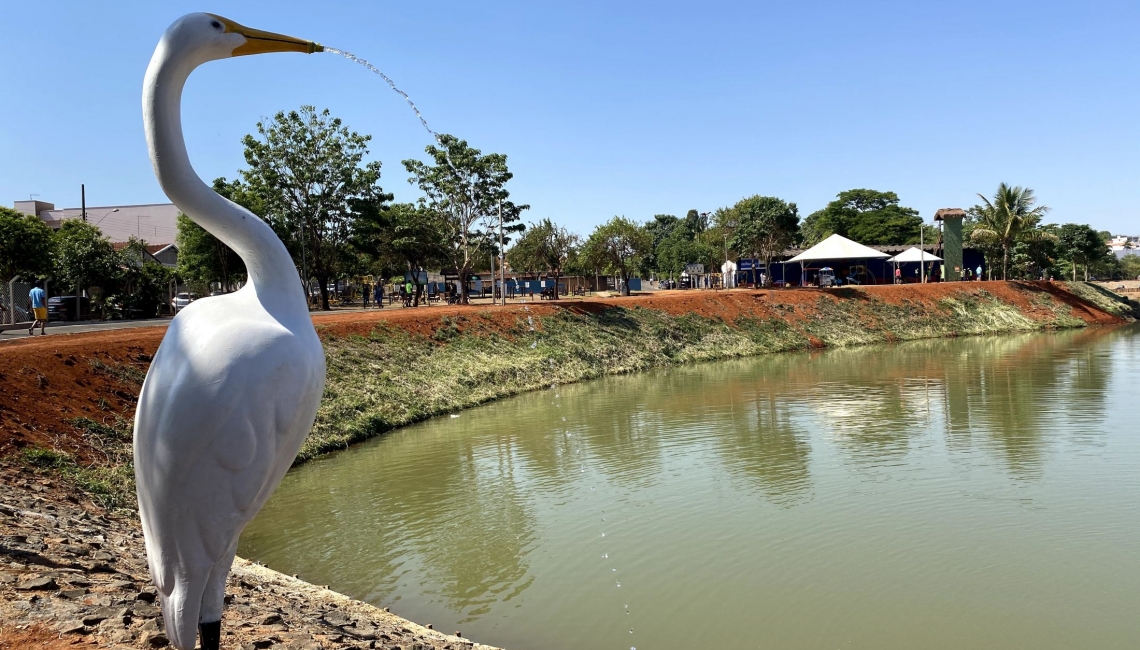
(912, 254)
(836, 247)
(728, 274)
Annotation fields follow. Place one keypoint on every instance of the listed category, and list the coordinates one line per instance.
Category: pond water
(973, 493)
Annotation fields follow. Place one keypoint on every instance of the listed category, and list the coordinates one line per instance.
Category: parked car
(63, 308)
(183, 299)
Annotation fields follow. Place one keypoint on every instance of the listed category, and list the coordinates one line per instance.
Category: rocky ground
(74, 575)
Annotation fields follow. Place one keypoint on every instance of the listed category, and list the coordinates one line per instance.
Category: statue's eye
(216, 25)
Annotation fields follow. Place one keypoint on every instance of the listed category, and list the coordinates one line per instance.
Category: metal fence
(14, 299)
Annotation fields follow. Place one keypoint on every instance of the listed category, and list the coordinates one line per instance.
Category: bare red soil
(46, 383)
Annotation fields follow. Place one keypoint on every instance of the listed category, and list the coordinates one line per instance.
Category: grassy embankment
(393, 376)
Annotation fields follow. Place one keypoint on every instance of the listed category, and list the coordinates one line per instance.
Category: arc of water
(355, 59)
(392, 84)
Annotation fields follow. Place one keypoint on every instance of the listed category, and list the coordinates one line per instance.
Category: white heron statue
(233, 389)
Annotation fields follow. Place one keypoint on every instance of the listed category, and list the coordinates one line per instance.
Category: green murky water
(978, 493)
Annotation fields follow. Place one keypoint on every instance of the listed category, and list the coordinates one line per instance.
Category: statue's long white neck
(271, 270)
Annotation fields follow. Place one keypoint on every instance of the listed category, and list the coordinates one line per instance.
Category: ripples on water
(976, 492)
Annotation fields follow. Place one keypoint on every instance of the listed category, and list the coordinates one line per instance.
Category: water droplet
(614, 570)
(603, 534)
(606, 556)
(619, 585)
(603, 518)
(563, 418)
(534, 345)
(631, 630)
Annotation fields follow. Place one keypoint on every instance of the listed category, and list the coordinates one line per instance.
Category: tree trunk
(556, 285)
(1005, 262)
(323, 280)
(463, 272)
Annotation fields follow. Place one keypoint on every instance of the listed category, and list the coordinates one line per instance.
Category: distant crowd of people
(938, 274)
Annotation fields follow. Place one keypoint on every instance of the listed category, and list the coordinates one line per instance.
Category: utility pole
(922, 253)
(78, 281)
(502, 258)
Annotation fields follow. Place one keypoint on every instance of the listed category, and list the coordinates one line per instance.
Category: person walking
(365, 294)
(978, 273)
(39, 308)
(898, 275)
(379, 295)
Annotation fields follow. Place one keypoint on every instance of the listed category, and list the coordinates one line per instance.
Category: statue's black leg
(210, 635)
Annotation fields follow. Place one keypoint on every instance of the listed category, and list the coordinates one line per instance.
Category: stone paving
(69, 566)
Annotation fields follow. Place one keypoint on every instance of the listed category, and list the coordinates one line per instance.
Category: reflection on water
(951, 493)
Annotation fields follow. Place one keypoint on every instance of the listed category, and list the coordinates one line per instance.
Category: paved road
(55, 329)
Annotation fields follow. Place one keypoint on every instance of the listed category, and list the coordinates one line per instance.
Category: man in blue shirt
(39, 308)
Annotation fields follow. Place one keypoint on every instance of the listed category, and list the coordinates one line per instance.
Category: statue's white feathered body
(234, 387)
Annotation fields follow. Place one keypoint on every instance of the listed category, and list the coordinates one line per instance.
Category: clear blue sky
(611, 108)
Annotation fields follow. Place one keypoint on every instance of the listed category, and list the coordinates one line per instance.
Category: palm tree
(1005, 218)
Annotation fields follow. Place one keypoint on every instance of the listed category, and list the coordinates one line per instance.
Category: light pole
(502, 258)
(102, 217)
(724, 271)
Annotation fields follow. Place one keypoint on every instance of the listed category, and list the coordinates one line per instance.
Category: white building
(155, 223)
(1123, 245)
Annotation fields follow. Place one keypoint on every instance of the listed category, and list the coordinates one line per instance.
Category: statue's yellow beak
(259, 42)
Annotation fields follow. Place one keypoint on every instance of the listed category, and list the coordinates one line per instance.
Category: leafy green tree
(140, 286)
(1130, 267)
(404, 235)
(659, 228)
(545, 246)
(679, 249)
(84, 256)
(1002, 220)
(866, 216)
(722, 232)
(466, 188)
(307, 176)
(1035, 253)
(696, 223)
(1080, 244)
(621, 245)
(26, 245)
(203, 258)
(765, 225)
